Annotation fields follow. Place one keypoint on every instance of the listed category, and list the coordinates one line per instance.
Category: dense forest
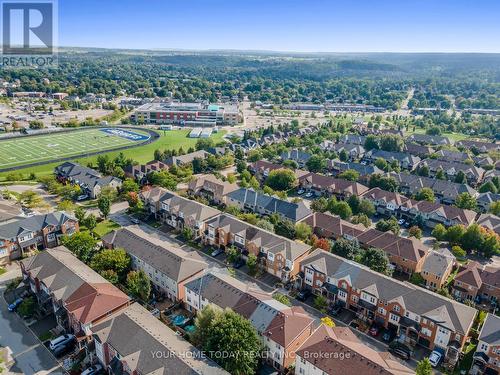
(440, 80)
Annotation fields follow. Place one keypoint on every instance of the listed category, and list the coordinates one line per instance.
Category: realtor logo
(28, 33)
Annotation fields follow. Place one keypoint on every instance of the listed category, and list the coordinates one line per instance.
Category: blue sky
(284, 25)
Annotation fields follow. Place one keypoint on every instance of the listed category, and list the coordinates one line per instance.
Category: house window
(396, 308)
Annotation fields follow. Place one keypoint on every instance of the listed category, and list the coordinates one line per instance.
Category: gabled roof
(135, 334)
(337, 185)
(84, 175)
(490, 332)
(212, 183)
(351, 355)
(189, 208)
(175, 263)
(377, 194)
(328, 225)
(490, 221)
(401, 157)
(296, 154)
(35, 223)
(436, 263)
(187, 158)
(435, 164)
(429, 139)
(443, 311)
(81, 290)
(290, 210)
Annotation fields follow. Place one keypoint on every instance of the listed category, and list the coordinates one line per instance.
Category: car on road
(238, 263)
(14, 305)
(400, 350)
(374, 330)
(303, 295)
(435, 358)
(93, 370)
(300, 191)
(61, 340)
(134, 220)
(335, 310)
(309, 194)
(82, 197)
(388, 335)
(216, 252)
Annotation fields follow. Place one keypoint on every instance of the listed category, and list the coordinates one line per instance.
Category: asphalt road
(29, 356)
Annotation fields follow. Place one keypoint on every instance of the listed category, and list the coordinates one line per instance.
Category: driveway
(29, 356)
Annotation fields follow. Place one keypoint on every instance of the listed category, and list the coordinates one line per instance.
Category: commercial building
(187, 114)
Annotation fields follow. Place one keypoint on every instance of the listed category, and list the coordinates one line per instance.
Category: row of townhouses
(19, 237)
(122, 335)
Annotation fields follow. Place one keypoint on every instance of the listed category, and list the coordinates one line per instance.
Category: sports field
(27, 150)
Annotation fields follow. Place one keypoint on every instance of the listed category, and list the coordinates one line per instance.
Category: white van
(61, 340)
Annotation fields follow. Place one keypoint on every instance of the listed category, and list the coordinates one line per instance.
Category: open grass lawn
(173, 139)
(455, 137)
(466, 362)
(22, 151)
(105, 226)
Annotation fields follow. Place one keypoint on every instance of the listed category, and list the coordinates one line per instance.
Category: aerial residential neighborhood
(288, 188)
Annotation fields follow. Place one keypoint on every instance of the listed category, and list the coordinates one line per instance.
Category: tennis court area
(26, 150)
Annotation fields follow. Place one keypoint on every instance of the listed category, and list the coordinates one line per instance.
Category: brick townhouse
(279, 256)
(283, 329)
(322, 185)
(487, 355)
(475, 282)
(20, 237)
(419, 315)
(168, 267)
(211, 188)
(78, 296)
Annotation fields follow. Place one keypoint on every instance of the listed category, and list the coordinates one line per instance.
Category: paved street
(29, 355)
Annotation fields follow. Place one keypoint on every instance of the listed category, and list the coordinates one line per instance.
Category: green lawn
(173, 139)
(104, 227)
(27, 150)
(455, 137)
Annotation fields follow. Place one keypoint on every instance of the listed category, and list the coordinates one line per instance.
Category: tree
(116, 260)
(139, 285)
(320, 303)
(417, 279)
(204, 143)
(345, 248)
(454, 234)
(350, 175)
(382, 182)
(252, 264)
(319, 205)
(30, 199)
(371, 143)
(466, 201)
(488, 187)
(391, 142)
(327, 321)
(472, 239)
(265, 224)
(353, 201)
(316, 163)
(439, 232)
(423, 170)
(302, 231)
(203, 323)
(129, 185)
(232, 254)
(27, 307)
(343, 155)
(82, 244)
(366, 207)
(495, 208)
(285, 228)
(187, 234)
(230, 332)
(322, 243)
(415, 231)
(80, 214)
(342, 209)
(361, 219)
(390, 224)
(67, 206)
(458, 252)
(104, 205)
(424, 367)
(282, 298)
(461, 178)
(382, 164)
(281, 179)
(91, 222)
(111, 276)
(425, 194)
(440, 174)
(377, 260)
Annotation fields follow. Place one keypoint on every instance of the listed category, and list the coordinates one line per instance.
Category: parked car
(216, 252)
(309, 194)
(401, 221)
(300, 191)
(93, 370)
(335, 310)
(134, 220)
(238, 263)
(374, 330)
(61, 340)
(82, 197)
(388, 335)
(354, 324)
(435, 358)
(303, 295)
(400, 350)
(61, 350)
(14, 305)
